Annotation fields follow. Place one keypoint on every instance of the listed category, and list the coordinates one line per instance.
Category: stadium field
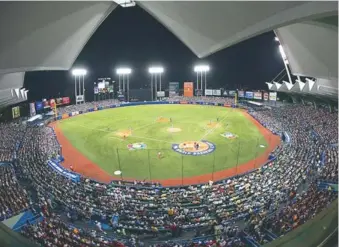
(164, 142)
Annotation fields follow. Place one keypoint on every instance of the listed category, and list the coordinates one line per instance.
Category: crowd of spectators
(52, 231)
(206, 99)
(330, 168)
(11, 135)
(278, 197)
(84, 107)
(13, 198)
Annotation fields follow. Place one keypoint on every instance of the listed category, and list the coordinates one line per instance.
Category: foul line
(213, 129)
(146, 138)
(143, 126)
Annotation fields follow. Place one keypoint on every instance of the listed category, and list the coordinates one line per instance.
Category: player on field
(159, 155)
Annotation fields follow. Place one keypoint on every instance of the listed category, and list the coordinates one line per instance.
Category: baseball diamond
(191, 139)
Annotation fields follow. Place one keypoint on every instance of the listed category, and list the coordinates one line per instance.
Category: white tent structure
(50, 35)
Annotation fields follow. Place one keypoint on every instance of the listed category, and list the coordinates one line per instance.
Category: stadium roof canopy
(50, 35)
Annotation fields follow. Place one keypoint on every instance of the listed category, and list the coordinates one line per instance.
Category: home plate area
(194, 148)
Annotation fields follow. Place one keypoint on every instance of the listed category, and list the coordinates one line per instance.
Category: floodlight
(201, 68)
(283, 54)
(79, 72)
(125, 3)
(124, 71)
(276, 39)
(156, 70)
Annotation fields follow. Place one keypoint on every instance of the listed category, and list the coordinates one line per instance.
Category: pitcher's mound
(163, 120)
(124, 133)
(173, 130)
(213, 125)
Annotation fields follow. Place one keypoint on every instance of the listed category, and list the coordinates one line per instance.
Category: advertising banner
(45, 103)
(110, 89)
(16, 112)
(38, 105)
(231, 93)
(58, 101)
(216, 92)
(121, 96)
(52, 103)
(265, 96)
(241, 94)
(80, 98)
(161, 94)
(273, 96)
(249, 95)
(32, 111)
(188, 89)
(101, 85)
(198, 92)
(65, 100)
(258, 95)
(96, 90)
(225, 93)
(173, 89)
(208, 92)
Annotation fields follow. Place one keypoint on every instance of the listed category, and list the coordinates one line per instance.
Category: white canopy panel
(12, 80)
(319, 88)
(46, 35)
(311, 49)
(206, 27)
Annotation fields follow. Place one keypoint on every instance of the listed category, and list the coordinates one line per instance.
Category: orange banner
(183, 102)
(188, 89)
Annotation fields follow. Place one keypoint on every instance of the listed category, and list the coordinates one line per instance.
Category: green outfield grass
(96, 135)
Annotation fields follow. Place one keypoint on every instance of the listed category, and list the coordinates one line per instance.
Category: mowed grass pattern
(95, 135)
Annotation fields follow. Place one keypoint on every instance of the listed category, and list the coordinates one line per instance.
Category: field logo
(136, 146)
(229, 135)
(194, 148)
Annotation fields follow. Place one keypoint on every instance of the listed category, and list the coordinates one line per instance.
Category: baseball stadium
(169, 157)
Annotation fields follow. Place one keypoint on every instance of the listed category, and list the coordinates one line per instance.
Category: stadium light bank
(79, 91)
(201, 70)
(123, 74)
(155, 78)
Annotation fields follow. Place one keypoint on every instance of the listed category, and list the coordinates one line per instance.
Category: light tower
(155, 79)
(79, 90)
(201, 71)
(123, 74)
(285, 60)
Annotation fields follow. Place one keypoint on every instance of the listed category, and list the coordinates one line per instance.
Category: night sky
(131, 37)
